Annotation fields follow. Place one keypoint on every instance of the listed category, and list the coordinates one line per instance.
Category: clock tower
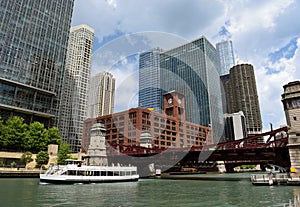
(174, 105)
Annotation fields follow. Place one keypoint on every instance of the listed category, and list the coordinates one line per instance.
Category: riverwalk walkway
(19, 172)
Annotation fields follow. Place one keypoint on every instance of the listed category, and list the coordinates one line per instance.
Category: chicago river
(147, 192)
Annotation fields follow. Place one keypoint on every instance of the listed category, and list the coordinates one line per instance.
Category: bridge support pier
(291, 100)
(229, 168)
(294, 151)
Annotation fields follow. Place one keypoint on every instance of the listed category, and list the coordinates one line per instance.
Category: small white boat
(75, 172)
(262, 179)
(270, 179)
(275, 169)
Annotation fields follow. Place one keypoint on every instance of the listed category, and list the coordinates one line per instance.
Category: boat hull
(262, 183)
(86, 180)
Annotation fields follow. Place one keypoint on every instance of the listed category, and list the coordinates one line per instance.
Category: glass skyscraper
(33, 45)
(226, 61)
(193, 70)
(150, 95)
(226, 56)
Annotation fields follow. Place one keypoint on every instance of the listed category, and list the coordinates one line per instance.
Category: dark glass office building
(33, 45)
(193, 70)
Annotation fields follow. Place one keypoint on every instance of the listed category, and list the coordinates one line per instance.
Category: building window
(295, 118)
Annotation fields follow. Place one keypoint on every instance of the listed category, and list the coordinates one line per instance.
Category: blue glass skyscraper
(226, 56)
(226, 61)
(150, 95)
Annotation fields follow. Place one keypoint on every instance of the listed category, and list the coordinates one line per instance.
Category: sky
(264, 33)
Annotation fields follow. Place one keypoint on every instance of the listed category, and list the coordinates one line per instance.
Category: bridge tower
(291, 104)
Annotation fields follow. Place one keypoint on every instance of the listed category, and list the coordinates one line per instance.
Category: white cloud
(112, 3)
(248, 15)
(270, 86)
(130, 16)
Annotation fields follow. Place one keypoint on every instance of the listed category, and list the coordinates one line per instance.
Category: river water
(145, 192)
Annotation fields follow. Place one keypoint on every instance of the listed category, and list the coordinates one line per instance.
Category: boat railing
(260, 177)
(269, 175)
(56, 169)
(281, 176)
(270, 178)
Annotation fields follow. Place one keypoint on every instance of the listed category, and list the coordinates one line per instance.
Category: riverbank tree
(64, 153)
(15, 135)
(42, 158)
(26, 158)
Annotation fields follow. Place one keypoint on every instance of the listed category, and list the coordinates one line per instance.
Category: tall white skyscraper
(75, 87)
(101, 95)
(226, 56)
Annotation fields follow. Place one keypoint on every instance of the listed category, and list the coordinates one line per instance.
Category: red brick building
(168, 130)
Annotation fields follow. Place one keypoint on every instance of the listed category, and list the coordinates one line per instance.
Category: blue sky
(265, 34)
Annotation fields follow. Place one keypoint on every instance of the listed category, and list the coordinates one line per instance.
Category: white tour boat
(94, 168)
(75, 172)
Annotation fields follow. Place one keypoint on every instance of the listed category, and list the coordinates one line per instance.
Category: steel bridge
(269, 147)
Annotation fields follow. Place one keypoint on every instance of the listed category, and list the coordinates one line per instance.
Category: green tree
(36, 137)
(14, 132)
(54, 136)
(26, 158)
(63, 154)
(42, 158)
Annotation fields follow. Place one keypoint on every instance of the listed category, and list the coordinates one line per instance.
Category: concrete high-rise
(33, 46)
(226, 56)
(191, 69)
(101, 95)
(235, 126)
(241, 95)
(76, 83)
